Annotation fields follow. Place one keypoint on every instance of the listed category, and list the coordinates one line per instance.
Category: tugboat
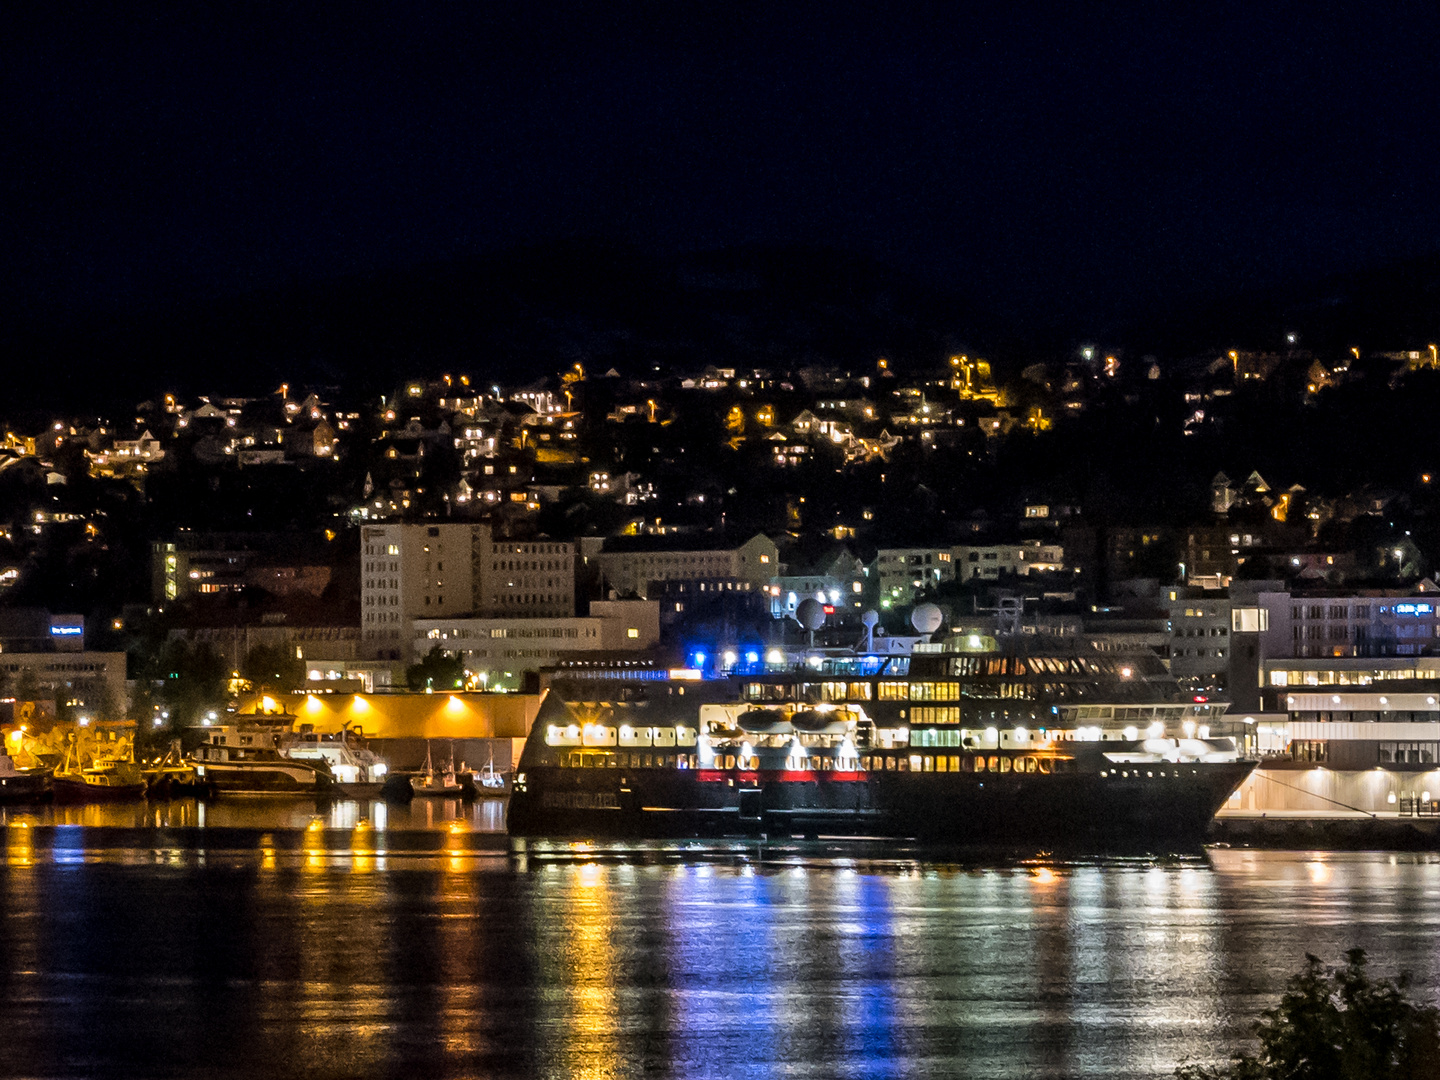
(22, 785)
(247, 761)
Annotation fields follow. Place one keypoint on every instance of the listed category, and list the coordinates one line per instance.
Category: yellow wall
(402, 716)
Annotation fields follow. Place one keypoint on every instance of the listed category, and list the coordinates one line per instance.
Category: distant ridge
(529, 311)
(515, 315)
(1391, 306)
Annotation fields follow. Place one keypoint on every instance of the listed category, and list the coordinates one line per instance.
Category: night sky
(1048, 160)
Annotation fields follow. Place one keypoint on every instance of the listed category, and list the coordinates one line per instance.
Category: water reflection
(576, 1025)
(324, 952)
(481, 815)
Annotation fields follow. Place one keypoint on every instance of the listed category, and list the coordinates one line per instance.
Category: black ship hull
(1160, 802)
(24, 788)
(247, 779)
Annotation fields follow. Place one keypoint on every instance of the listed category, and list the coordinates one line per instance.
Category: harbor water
(290, 939)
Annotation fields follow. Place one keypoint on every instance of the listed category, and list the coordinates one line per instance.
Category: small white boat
(428, 781)
(490, 781)
(359, 773)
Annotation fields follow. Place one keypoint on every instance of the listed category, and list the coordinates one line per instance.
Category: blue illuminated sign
(1414, 609)
(67, 631)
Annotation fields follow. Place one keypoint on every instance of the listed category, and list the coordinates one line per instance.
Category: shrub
(1338, 1024)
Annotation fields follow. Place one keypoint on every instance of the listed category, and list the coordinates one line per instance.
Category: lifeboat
(818, 723)
(764, 722)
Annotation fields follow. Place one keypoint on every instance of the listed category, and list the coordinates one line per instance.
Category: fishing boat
(428, 782)
(22, 785)
(105, 779)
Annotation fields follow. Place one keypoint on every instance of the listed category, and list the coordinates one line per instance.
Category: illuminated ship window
(598, 735)
(934, 691)
(633, 736)
(557, 735)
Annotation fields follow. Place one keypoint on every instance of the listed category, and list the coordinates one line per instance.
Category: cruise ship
(972, 740)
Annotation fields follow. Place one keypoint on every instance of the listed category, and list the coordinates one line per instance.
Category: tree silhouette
(439, 670)
(275, 667)
(1338, 1024)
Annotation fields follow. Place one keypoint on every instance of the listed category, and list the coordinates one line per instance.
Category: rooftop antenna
(926, 619)
(1009, 614)
(810, 614)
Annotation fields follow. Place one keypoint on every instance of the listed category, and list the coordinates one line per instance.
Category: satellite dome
(810, 614)
(870, 618)
(926, 618)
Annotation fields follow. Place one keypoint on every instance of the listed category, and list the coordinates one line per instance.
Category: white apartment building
(535, 578)
(1200, 649)
(89, 679)
(449, 570)
(903, 572)
(411, 571)
(988, 562)
(627, 564)
(1351, 626)
(499, 652)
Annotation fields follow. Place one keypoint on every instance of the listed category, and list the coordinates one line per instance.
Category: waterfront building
(1362, 623)
(1346, 735)
(473, 727)
(332, 655)
(1200, 653)
(86, 680)
(48, 651)
(507, 653)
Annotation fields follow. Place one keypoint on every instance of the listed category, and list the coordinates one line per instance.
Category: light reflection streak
(588, 1026)
(460, 953)
(19, 849)
(869, 968)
